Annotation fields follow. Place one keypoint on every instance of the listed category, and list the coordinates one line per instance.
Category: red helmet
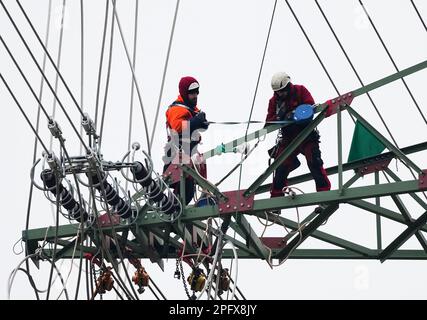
(187, 84)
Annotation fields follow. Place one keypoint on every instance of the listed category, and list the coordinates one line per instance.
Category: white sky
(221, 44)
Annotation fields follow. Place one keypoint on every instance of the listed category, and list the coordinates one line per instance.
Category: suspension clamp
(54, 128)
(92, 160)
(89, 126)
(53, 162)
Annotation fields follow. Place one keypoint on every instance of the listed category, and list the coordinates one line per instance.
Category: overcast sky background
(221, 44)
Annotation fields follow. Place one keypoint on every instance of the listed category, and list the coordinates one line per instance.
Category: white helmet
(279, 81)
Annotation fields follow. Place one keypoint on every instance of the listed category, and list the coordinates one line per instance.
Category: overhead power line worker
(287, 97)
(184, 122)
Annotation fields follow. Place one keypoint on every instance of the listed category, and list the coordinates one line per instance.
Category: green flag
(364, 144)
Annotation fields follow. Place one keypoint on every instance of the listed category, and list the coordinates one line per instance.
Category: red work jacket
(298, 95)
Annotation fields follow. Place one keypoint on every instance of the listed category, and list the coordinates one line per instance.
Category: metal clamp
(54, 128)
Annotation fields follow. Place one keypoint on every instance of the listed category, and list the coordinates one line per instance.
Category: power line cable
(41, 71)
(59, 54)
(354, 70)
(312, 47)
(46, 51)
(315, 51)
(392, 60)
(132, 91)
(133, 76)
(82, 64)
(419, 15)
(359, 78)
(164, 72)
(101, 61)
(30, 194)
(24, 114)
(107, 80)
(261, 66)
(252, 107)
(58, 63)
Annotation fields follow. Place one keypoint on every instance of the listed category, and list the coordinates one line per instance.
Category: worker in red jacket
(184, 121)
(287, 97)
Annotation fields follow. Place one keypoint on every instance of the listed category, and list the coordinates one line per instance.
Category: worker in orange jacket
(184, 122)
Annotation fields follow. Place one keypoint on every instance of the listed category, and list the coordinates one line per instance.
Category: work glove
(199, 122)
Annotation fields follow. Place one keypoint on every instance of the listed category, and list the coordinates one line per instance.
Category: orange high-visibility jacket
(177, 115)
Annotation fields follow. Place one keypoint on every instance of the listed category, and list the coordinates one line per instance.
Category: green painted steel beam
(382, 82)
(407, 216)
(325, 237)
(394, 77)
(200, 233)
(252, 237)
(301, 254)
(142, 211)
(68, 248)
(238, 244)
(351, 166)
(64, 231)
(204, 183)
(136, 247)
(383, 212)
(165, 236)
(285, 154)
(413, 195)
(233, 225)
(66, 245)
(181, 230)
(242, 246)
(144, 245)
(403, 237)
(347, 255)
(307, 231)
(365, 192)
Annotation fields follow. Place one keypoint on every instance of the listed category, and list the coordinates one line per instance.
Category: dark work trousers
(190, 187)
(310, 149)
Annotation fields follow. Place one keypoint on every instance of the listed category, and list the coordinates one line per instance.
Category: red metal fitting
(274, 242)
(173, 173)
(373, 167)
(423, 180)
(236, 202)
(104, 220)
(334, 104)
